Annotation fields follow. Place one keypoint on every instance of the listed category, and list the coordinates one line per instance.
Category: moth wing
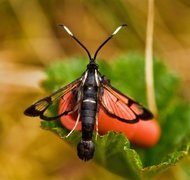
(122, 107)
(69, 96)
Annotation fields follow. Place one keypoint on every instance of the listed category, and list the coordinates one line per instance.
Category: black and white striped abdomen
(89, 105)
(88, 112)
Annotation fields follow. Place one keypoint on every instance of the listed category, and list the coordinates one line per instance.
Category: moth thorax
(92, 65)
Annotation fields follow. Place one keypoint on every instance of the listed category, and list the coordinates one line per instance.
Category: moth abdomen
(85, 150)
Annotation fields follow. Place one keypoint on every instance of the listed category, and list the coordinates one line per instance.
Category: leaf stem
(149, 59)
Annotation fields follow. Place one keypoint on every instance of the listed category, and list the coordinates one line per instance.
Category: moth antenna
(114, 33)
(72, 35)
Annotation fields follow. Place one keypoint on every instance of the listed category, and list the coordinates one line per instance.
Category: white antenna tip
(68, 31)
(116, 31)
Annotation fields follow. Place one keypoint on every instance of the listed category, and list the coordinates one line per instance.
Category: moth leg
(76, 123)
(97, 134)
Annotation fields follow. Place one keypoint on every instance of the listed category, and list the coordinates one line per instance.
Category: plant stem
(149, 59)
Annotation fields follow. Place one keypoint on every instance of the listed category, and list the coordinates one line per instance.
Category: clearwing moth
(86, 95)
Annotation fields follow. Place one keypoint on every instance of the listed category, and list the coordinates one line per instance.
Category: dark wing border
(40, 107)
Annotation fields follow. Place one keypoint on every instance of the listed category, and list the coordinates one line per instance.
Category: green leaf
(171, 160)
(113, 151)
(62, 73)
(126, 163)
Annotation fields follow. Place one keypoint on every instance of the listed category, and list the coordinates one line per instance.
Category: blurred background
(30, 40)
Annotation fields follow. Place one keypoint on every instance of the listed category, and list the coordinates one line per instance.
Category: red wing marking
(116, 106)
(68, 101)
(122, 107)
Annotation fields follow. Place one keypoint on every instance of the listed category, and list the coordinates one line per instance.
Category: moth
(86, 95)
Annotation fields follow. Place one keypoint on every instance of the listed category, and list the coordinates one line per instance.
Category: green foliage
(113, 151)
